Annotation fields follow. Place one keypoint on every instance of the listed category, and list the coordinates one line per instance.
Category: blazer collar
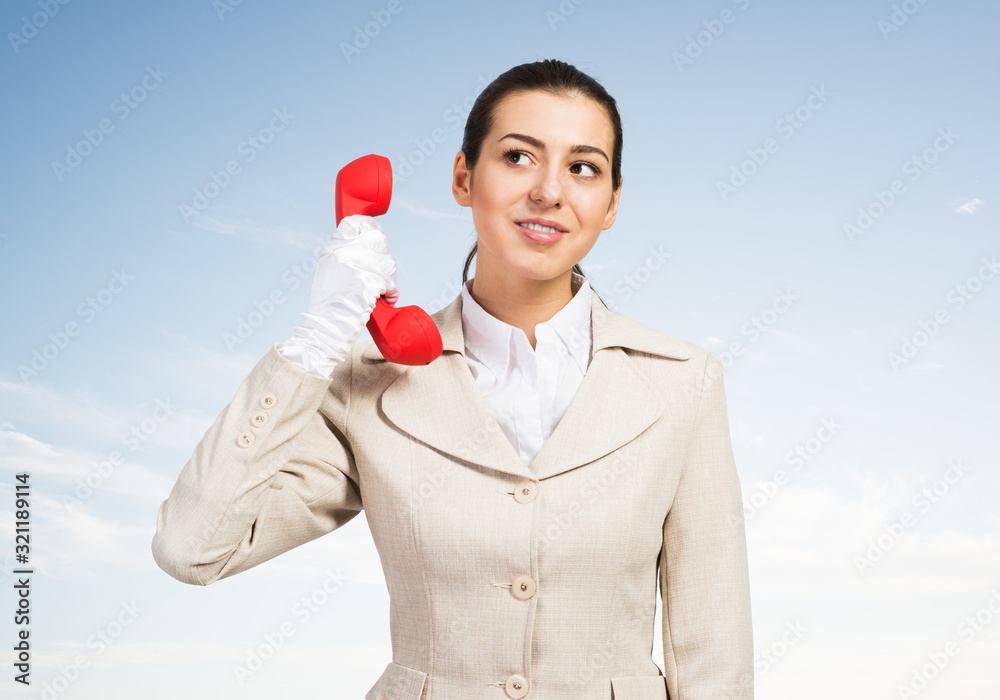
(440, 405)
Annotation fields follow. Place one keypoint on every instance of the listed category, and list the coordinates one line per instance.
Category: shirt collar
(489, 339)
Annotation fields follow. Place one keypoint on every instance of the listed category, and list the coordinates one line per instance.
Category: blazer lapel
(440, 405)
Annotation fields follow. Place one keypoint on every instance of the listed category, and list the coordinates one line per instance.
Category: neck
(519, 301)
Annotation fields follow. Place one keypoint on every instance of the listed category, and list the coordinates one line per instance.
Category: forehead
(555, 119)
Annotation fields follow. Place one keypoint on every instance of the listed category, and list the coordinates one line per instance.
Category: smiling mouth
(540, 228)
(540, 234)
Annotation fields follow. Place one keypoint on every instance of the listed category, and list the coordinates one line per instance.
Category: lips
(545, 222)
(540, 236)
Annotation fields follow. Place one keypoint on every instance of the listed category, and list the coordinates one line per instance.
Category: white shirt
(529, 390)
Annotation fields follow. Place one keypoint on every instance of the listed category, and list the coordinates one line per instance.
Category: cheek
(489, 213)
(597, 207)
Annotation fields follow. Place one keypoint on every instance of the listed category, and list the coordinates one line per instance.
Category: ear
(613, 207)
(461, 182)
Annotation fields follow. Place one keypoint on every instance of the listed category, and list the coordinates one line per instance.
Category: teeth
(543, 229)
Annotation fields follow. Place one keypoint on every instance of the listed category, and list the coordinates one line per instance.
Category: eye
(513, 152)
(584, 164)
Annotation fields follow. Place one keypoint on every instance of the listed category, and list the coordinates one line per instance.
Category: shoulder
(640, 340)
(679, 369)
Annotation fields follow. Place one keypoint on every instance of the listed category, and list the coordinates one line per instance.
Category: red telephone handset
(406, 335)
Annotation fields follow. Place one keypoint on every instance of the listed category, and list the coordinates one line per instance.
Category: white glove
(353, 271)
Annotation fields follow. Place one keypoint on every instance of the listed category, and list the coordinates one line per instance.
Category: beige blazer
(505, 580)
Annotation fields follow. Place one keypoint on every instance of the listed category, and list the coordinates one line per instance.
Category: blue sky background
(160, 340)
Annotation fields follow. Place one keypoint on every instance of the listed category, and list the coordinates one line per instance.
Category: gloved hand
(353, 271)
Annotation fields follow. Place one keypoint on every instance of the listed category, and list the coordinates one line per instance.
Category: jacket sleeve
(275, 470)
(704, 572)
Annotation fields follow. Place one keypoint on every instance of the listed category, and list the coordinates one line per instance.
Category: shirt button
(516, 686)
(268, 401)
(523, 587)
(259, 419)
(246, 439)
(525, 491)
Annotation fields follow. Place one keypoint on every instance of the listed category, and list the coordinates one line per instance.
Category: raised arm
(274, 471)
(276, 468)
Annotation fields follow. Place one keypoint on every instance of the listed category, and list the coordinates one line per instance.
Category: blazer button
(525, 491)
(259, 419)
(523, 587)
(516, 686)
(268, 401)
(246, 439)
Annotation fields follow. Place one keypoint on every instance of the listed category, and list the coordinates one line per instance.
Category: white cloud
(932, 365)
(804, 540)
(85, 414)
(430, 213)
(79, 543)
(244, 225)
(745, 436)
(970, 207)
(66, 466)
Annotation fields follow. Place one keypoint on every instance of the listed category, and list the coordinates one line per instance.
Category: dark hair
(550, 75)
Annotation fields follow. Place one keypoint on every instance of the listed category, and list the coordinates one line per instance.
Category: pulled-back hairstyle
(552, 76)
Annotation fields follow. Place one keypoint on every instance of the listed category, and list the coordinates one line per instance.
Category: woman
(526, 490)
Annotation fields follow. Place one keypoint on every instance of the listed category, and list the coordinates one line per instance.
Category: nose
(547, 190)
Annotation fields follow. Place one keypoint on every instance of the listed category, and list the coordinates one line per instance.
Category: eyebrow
(538, 144)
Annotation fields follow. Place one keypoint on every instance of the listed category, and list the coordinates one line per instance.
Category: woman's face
(555, 170)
